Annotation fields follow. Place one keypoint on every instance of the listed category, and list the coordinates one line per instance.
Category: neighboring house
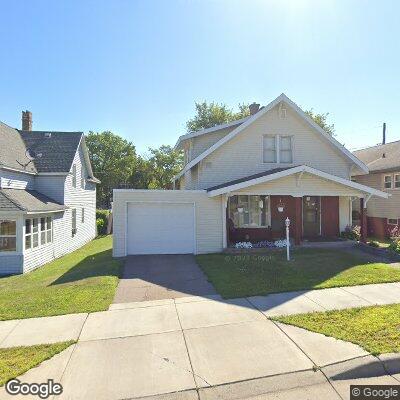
(241, 180)
(383, 162)
(47, 196)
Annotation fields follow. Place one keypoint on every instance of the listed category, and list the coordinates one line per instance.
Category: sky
(137, 67)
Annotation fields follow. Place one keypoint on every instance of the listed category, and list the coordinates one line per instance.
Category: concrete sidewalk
(206, 347)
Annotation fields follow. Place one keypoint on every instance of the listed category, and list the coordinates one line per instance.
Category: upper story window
(82, 179)
(277, 149)
(397, 181)
(387, 181)
(74, 176)
(8, 235)
(74, 230)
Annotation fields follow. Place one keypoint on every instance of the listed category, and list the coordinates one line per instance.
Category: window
(74, 175)
(285, 149)
(249, 211)
(387, 182)
(32, 230)
(392, 221)
(74, 230)
(83, 216)
(397, 181)
(31, 233)
(277, 149)
(8, 235)
(82, 179)
(269, 149)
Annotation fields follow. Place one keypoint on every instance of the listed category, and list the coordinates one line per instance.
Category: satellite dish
(32, 155)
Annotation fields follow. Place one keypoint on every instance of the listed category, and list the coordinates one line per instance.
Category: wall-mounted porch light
(281, 206)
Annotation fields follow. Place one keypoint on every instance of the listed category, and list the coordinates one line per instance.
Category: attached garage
(161, 228)
(166, 222)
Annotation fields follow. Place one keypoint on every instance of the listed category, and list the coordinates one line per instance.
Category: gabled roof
(28, 201)
(266, 177)
(12, 150)
(58, 149)
(213, 129)
(382, 157)
(264, 110)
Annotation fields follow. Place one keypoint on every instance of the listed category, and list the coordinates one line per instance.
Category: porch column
(298, 220)
(224, 203)
(363, 218)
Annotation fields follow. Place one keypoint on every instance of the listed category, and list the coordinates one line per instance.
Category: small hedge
(102, 221)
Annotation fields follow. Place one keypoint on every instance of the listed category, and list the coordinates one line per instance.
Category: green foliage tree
(113, 159)
(212, 114)
(322, 121)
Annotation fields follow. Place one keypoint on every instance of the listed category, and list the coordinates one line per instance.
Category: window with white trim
(8, 235)
(83, 216)
(285, 149)
(397, 181)
(45, 230)
(74, 176)
(31, 233)
(249, 211)
(392, 221)
(387, 181)
(74, 230)
(82, 178)
(278, 149)
(269, 149)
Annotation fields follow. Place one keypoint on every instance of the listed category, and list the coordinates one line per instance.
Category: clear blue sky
(137, 67)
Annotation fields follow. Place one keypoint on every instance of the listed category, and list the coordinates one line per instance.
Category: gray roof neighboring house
(28, 201)
(249, 177)
(382, 157)
(58, 149)
(12, 150)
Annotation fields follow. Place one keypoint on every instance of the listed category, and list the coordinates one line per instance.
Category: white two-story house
(240, 182)
(47, 196)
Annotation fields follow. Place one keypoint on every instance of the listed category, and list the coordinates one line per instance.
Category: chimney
(26, 120)
(254, 108)
(384, 133)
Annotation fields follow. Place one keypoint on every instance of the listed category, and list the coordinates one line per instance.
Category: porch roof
(27, 201)
(277, 173)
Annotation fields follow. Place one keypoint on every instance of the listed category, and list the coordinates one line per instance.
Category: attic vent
(47, 135)
(282, 111)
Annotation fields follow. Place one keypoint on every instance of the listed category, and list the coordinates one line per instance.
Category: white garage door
(160, 228)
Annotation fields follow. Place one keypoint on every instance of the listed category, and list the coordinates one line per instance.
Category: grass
(259, 274)
(376, 329)
(15, 361)
(82, 281)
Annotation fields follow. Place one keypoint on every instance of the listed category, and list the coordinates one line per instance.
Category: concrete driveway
(157, 277)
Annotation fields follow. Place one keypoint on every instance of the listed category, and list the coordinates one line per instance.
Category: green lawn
(15, 361)
(376, 329)
(250, 274)
(82, 281)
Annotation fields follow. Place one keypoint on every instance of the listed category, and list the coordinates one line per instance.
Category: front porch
(259, 218)
(319, 206)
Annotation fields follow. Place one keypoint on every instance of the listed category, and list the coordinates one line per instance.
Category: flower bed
(265, 244)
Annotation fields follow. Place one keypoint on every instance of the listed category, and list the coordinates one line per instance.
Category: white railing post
(287, 223)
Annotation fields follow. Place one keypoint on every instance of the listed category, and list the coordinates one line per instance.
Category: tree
(165, 163)
(211, 114)
(113, 159)
(322, 121)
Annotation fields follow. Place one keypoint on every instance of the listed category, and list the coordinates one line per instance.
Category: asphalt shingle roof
(27, 200)
(12, 150)
(249, 178)
(57, 151)
(382, 157)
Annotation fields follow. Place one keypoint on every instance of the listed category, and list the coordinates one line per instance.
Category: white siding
(52, 186)
(242, 155)
(209, 233)
(309, 184)
(79, 198)
(376, 206)
(15, 180)
(203, 142)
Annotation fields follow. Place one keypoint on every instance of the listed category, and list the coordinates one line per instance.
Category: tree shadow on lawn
(97, 265)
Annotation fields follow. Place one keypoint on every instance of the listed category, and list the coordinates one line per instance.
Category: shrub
(394, 233)
(373, 243)
(101, 226)
(395, 246)
(351, 232)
